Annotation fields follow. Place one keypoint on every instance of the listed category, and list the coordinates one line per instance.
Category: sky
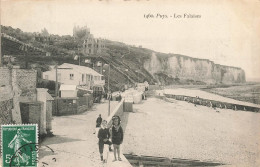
(227, 32)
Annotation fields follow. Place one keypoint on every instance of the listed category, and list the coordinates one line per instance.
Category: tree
(45, 32)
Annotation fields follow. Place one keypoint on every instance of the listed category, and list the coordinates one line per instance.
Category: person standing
(103, 136)
(98, 122)
(119, 97)
(117, 136)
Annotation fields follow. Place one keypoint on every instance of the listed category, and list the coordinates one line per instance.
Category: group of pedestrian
(115, 133)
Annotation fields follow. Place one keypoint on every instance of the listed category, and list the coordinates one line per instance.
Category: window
(46, 77)
(96, 78)
(71, 76)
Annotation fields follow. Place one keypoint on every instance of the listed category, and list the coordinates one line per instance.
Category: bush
(46, 84)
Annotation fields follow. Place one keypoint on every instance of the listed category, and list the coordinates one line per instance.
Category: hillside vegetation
(129, 64)
(126, 61)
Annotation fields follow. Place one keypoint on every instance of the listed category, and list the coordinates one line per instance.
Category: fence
(72, 105)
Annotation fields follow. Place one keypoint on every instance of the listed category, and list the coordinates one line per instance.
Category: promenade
(74, 143)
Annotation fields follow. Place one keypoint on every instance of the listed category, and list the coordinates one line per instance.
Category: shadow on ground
(46, 148)
(56, 139)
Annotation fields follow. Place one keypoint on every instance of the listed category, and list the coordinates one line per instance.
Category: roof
(81, 69)
(48, 97)
(68, 87)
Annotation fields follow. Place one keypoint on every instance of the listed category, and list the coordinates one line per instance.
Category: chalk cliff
(183, 68)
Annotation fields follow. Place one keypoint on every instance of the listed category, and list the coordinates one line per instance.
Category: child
(117, 136)
(98, 123)
(103, 135)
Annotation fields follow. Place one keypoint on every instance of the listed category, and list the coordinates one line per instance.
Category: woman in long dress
(16, 143)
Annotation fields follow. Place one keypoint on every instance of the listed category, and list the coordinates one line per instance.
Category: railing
(100, 82)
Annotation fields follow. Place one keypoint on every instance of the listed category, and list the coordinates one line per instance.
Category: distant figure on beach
(119, 97)
(117, 136)
(103, 136)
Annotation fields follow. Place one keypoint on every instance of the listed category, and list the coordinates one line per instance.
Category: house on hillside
(71, 74)
(93, 45)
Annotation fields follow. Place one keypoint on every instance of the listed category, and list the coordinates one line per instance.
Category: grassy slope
(63, 50)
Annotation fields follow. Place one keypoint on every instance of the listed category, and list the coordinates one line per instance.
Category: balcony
(99, 82)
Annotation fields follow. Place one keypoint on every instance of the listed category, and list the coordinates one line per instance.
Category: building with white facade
(71, 74)
(68, 91)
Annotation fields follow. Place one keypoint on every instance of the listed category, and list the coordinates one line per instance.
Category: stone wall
(5, 77)
(48, 116)
(6, 107)
(6, 96)
(31, 113)
(16, 85)
(26, 81)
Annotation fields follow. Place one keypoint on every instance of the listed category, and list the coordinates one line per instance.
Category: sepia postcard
(121, 83)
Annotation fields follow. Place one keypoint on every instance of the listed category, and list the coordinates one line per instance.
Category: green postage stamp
(19, 145)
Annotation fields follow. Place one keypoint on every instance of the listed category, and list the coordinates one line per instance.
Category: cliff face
(183, 67)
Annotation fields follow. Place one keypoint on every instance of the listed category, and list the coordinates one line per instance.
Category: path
(74, 143)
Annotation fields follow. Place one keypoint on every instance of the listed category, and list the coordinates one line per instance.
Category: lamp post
(137, 76)
(126, 70)
(108, 88)
(79, 54)
(56, 90)
(1, 50)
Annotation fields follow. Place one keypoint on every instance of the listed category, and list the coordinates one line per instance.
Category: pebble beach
(178, 129)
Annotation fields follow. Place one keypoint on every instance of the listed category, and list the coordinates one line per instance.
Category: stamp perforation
(20, 125)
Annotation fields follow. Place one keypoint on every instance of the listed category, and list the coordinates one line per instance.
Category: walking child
(117, 136)
(103, 136)
(98, 121)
